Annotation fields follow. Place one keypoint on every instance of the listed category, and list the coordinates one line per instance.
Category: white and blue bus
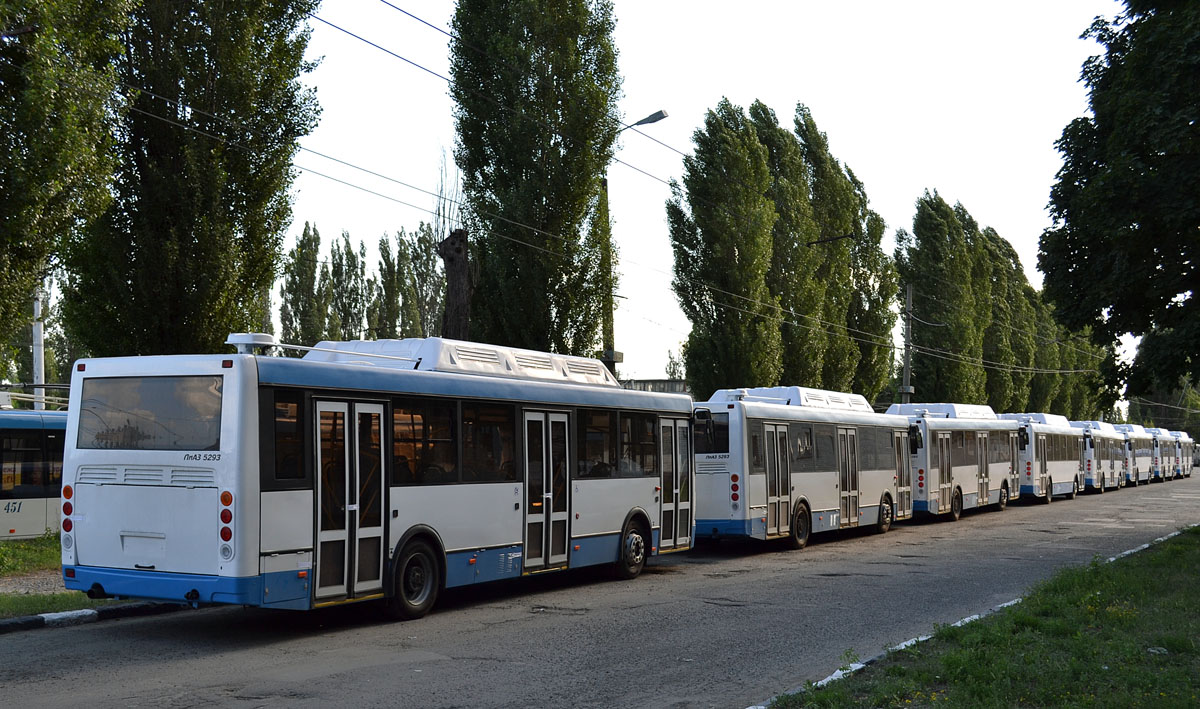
(1050, 456)
(1184, 446)
(31, 455)
(1103, 455)
(965, 457)
(1139, 452)
(787, 462)
(1162, 457)
(365, 470)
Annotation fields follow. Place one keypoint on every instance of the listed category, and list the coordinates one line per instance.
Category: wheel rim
(1003, 496)
(635, 548)
(885, 515)
(956, 505)
(416, 579)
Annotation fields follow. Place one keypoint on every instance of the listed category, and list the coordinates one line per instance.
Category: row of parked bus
(391, 470)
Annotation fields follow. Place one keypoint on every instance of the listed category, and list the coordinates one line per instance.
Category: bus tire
(1049, 496)
(1100, 487)
(1002, 502)
(956, 506)
(415, 582)
(801, 527)
(1074, 489)
(632, 554)
(885, 515)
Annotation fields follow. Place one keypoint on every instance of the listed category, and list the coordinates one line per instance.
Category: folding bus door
(903, 475)
(779, 481)
(984, 468)
(350, 490)
(945, 473)
(1043, 468)
(676, 494)
(848, 476)
(547, 482)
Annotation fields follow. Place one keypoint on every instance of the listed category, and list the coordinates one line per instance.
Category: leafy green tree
(193, 235)
(1044, 386)
(793, 276)
(394, 309)
(348, 289)
(427, 280)
(722, 245)
(870, 317)
(304, 293)
(57, 89)
(835, 210)
(1123, 252)
(535, 84)
(936, 257)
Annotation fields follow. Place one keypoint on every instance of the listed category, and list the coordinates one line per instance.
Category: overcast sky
(962, 97)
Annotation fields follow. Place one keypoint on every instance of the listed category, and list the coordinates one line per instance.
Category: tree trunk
(457, 315)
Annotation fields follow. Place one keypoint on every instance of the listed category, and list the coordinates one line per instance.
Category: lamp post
(609, 354)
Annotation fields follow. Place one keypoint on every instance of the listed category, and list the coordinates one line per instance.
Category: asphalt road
(723, 626)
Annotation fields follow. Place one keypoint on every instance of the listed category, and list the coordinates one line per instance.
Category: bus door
(903, 475)
(1014, 465)
(350, 490)
(779, 481)
(1043, 468)
(548, 484)
(848, 474)
(945, 473)
(676, 494)
(985, 473)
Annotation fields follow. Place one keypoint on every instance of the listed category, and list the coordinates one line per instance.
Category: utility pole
(39, 351)
(906, 389)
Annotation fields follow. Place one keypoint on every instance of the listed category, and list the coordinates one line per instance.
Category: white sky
(962, 97)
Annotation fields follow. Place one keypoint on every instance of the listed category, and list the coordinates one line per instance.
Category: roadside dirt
(36, 583)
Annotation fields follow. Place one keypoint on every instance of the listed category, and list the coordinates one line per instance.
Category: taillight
(734, 497)
(226, 534)
(67, 525)
(226, 517)
(733, 478)
(227, 498)
(920, 484)
(734, 487)
(68, 508)
(67, 492)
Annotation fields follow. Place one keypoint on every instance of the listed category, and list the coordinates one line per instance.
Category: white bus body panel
(172, 530)
(464, 516)
(285, 526)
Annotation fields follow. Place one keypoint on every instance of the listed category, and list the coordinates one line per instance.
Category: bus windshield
(151, 413)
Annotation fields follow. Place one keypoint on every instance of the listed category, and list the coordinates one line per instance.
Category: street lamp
(609, 355)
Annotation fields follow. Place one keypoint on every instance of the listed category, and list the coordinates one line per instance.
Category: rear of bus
(160, 484)
(721, 507)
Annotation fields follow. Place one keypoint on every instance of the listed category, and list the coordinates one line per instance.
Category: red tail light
(733, 478)
(226, 516)
(226, 534)
(734, 497)
(67, 525)
(734, 487)
(67, 492)
(68, 508)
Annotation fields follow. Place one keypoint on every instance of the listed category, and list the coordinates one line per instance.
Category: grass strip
(23, 556)
(1121, 634)
(15, 605)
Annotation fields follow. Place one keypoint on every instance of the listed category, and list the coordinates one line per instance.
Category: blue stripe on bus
(597, 550)
(488, 565)
(1028, 490)
(389, 380)
(920, 506)
(165, 586)
(717, 528)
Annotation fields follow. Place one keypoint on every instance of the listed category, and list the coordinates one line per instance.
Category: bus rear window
(151, 413)
(716, 438)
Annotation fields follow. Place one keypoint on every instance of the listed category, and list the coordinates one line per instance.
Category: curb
(87, 615)
(856, 666)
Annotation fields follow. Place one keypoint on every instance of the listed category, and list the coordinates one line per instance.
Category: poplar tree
(304, 293)
(720, 223)
(936, 258)
(348, 289)
(535, 85)
(870, 318)
(57, 96)
(200, 204)
(834, 206)
(793, 276)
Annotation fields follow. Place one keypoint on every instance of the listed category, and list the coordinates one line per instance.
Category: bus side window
(758, 461)
(803, 455)
(597, 444)
(826, 440)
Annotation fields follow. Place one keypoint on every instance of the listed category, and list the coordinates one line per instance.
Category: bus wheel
(956, 505)
(1003, 501)
(801, 527)
(1074, 489)
(633, 551)
(1049, 496)
(885, 515)
(416, 581)
(1100, 486)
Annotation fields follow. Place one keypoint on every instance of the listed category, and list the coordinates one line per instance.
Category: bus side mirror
(702, 423)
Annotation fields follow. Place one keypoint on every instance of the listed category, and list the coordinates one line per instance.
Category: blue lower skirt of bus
(719, 528)
(284, 589)
(1028, 490)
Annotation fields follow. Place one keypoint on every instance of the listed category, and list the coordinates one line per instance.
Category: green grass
(17, 605)
(23, 556)
(1125, 634)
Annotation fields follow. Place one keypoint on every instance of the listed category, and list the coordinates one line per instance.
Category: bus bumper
(189, 589)
(721, 528)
